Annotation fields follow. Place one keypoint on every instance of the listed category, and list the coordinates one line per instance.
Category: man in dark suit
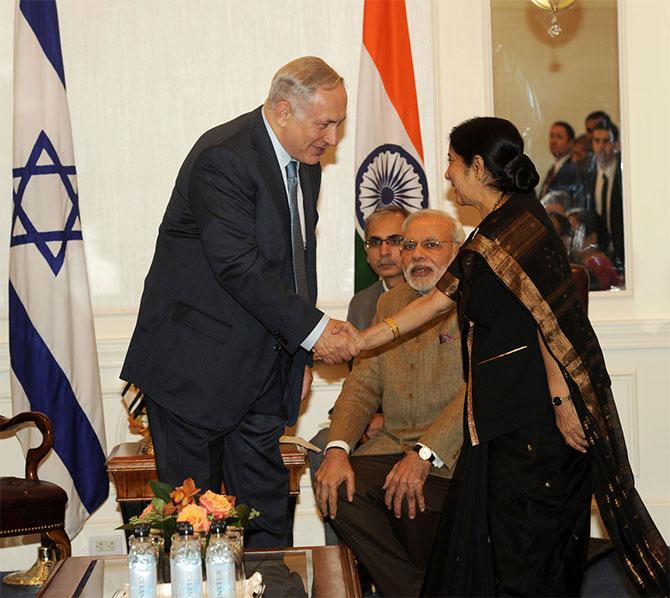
(227, 321)
(562, 176)
(604, 190)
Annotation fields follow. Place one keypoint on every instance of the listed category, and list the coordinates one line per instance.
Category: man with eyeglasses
(385, 499)
(383, 238)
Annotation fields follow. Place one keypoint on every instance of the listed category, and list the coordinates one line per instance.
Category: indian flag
(389, 152)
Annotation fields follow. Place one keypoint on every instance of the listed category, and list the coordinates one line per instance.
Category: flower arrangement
(184, 503)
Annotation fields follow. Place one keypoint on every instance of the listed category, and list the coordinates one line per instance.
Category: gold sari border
(508, 270)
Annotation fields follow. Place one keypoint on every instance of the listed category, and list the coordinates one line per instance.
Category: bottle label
(186, 580)
(143, 582)
(221, 580)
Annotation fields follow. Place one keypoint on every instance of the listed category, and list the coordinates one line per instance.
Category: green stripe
(363, 274)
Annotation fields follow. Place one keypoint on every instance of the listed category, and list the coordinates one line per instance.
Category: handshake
(340, 341)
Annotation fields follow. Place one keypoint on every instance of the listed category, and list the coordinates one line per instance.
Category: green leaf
(243, 512)
(161, 490)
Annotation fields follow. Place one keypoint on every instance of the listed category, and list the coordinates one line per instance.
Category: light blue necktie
(297, 245)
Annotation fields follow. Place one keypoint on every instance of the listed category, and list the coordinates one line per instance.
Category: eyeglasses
(392, 241)
(427, 244)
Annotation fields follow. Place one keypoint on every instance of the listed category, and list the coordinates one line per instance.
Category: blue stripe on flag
(49, 391)
(42, 17)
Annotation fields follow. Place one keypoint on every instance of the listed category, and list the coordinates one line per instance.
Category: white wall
(146, 78)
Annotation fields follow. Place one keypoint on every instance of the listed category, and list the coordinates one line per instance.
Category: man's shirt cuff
(437, 462)
(310, 341)
(338, 444)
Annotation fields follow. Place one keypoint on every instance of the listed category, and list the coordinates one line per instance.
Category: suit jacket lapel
(269, 168)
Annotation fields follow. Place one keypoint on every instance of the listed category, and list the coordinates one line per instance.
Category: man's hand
(336, 344)
(306, 382)
(335, 469)
(570, 427)
(406, 480)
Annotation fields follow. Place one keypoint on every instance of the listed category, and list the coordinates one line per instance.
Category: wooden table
(131, 469)
(333, 569)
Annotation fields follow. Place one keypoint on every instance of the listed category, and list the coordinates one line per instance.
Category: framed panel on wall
(556, 77)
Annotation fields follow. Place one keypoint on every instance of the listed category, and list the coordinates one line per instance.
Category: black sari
(519, 246)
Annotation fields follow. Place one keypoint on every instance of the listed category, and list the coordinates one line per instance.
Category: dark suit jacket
(219, 306)
(614, 227)
(566, 179)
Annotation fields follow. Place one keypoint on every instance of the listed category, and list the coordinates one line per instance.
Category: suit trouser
(394, 551)
(246, 458)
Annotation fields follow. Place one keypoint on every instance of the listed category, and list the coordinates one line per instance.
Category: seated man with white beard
(385, 499)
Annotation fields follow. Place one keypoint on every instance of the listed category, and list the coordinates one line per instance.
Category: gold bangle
(393, 325)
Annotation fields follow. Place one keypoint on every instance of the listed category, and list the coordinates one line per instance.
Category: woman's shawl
(521, 247)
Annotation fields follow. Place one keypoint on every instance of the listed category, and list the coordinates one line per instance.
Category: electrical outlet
(105, 545)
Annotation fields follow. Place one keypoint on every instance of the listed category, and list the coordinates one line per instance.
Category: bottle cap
(184, 528)
(141, 530)
(218, 526)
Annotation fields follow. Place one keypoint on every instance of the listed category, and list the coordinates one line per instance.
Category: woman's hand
(364, 340)
(570, 427)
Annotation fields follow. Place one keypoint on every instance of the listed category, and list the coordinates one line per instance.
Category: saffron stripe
(49, 391)
(386, 37)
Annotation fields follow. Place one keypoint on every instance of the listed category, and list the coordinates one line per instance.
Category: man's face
(308, 130)
(434, 248)
(559, 143)
(603, 146)
(384, 259)
(590, 125)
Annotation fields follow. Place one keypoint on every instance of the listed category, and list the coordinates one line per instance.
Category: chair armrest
(35, 455)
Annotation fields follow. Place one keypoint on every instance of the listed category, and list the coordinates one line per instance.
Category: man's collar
(609, 169)
(558, 163)
(283, 157)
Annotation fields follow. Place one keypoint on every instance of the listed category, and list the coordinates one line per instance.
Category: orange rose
(218, 505)
(196, 516)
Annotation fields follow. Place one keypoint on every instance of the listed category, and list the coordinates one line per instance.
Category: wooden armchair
(29, 505)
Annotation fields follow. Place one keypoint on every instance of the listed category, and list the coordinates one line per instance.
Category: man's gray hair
(385, 211)
(300, 79)
(459, 233)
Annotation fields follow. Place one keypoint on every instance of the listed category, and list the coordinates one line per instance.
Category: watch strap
(417, 449)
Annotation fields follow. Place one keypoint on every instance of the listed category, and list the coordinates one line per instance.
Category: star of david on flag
(43, 238)
(53, 355)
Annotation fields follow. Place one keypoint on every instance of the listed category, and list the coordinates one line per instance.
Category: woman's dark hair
(500, 145)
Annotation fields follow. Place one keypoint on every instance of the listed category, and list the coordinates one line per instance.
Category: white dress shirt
(283, 158)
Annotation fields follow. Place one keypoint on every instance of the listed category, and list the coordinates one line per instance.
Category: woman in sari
(541, 429)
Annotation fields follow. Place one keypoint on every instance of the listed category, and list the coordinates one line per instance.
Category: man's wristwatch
(424, 452)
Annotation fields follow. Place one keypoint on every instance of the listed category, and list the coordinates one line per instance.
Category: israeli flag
(53, 354)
